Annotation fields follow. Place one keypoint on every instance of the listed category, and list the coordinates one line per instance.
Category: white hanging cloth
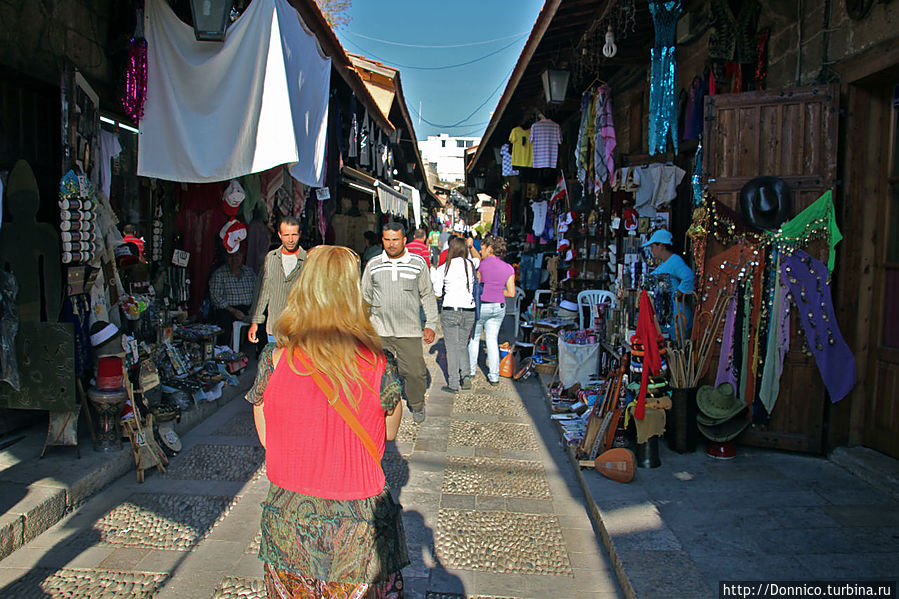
(216, 111)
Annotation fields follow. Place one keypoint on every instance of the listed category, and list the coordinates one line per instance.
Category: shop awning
(217, 111)
(391, 201)
(414, 196)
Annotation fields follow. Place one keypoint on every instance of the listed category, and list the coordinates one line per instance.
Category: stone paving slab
(40, 583)
(239, 425)
(496, 435)
(217, 462)
(495, 477)
(158, 521)
(240, 588)
(501, 542)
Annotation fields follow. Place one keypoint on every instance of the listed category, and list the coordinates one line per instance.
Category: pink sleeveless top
(309, 448)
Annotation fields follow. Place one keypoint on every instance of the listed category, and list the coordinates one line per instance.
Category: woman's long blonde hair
(327, 320)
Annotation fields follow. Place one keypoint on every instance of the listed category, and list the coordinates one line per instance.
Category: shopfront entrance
(791, 134)
(873, 212)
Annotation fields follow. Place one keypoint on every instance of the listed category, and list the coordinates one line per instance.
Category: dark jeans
(225, 319)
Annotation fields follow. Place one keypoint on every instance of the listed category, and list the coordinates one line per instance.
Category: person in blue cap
(660, 244)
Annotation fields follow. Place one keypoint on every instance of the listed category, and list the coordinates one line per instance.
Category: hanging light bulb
(610, 49)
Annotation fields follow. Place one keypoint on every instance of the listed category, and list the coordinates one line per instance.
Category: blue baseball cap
(660, 236)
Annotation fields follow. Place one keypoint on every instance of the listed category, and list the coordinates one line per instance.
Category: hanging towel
(218, 111)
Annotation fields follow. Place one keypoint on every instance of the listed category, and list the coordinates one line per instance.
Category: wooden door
(881, 422)
(791, 134)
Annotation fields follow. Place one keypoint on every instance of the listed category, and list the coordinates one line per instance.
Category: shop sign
(180, 258)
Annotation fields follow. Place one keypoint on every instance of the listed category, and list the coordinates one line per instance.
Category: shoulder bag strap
(343, 411)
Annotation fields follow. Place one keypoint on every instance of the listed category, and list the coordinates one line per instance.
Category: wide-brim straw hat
(719, 403)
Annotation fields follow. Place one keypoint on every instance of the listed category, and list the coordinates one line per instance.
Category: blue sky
(447, 96)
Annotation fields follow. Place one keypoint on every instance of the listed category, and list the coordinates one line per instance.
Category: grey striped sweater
(395, 290)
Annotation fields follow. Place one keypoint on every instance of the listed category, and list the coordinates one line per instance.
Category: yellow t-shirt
(522, 152)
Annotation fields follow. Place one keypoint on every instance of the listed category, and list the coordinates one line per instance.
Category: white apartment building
(446, 155)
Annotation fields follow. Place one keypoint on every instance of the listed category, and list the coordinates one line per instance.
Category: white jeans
(492, 315)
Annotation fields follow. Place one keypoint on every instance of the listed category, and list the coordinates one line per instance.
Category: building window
(460, 143)
(442, 143)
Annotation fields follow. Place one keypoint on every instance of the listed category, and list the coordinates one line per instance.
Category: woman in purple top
(498, 278)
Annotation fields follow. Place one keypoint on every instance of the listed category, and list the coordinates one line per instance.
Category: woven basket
(546, 368)
(549, 367)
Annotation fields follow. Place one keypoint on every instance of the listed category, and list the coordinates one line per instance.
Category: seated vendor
(660, 244)
(231, 289)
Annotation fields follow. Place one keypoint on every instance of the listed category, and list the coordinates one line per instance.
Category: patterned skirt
(325, 548)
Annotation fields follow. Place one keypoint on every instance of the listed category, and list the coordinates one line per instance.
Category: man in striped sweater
(397, 285)
(280, 271)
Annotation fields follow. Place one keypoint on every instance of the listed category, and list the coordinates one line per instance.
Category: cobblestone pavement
(491, 507)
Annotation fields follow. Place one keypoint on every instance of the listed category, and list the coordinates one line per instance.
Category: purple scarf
(806, 278)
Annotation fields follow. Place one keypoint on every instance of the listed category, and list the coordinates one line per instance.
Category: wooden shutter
(791, 134)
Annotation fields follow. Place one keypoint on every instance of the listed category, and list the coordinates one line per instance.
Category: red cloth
(136, 241)
(652, 360)
(309, 448)
(442, 259)
(199, 221)
(418, 247)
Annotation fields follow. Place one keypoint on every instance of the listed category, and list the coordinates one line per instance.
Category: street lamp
(210, 19)
(555, 84)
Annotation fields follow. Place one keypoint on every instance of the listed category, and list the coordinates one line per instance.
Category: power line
(440, 68)
(374, 39)
(473, 112)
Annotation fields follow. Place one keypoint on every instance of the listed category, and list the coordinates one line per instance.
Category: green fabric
(819, 217)
(252, 185)
(769, 388)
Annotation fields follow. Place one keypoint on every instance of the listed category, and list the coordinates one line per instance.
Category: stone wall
(800, 50)
(36, 36)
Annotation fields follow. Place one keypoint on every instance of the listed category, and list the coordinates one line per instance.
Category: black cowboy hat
(766, 202)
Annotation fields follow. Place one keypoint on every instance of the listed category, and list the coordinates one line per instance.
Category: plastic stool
(236, 329)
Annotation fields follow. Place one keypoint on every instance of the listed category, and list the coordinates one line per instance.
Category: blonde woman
(325, 400)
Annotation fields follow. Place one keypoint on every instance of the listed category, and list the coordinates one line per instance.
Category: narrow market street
(491, 509)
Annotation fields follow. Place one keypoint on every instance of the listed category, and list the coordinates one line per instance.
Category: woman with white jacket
(454, 281)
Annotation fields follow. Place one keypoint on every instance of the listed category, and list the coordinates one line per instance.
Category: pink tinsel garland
(136, 80)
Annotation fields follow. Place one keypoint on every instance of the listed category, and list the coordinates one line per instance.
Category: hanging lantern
(479, 181)
(555, 85)
(210, 19)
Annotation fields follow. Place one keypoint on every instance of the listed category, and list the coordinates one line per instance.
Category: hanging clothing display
(539, 224)
(808, 281)
(582, 150)
(818, 220)
(663, 76)
(506, 154)
(657, 187)
(365, 142)
(522, 154)
(778, 344)
(733, 37)
(109, 148)
(604, 138)
(694, 109)
(218, 111)
(545, 137)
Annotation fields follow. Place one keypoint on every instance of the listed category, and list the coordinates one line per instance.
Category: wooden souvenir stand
(147, 453)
